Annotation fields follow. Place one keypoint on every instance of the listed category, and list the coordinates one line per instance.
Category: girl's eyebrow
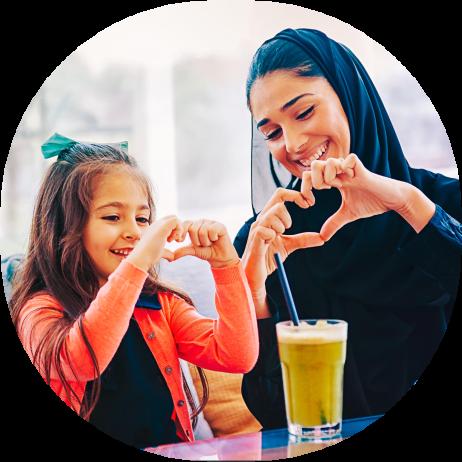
(121, 205)
(284, 107)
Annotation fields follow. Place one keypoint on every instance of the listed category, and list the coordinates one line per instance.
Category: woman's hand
(151, 247)
(266, 237)
(365, 194)
(209, 241)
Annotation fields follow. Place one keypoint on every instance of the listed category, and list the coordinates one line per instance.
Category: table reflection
(267, 445)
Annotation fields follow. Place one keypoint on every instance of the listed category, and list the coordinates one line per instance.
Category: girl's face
(118, 216)
(301, 119)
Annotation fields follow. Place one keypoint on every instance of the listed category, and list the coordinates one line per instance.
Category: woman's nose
(295, 142)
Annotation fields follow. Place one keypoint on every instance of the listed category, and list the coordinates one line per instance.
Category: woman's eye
(111, 218)
(273, 135)
(305, 113)
(143, 220)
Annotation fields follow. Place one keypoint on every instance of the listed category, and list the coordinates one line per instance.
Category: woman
(378, 242)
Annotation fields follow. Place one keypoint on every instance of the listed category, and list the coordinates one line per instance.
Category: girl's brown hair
(56, 261)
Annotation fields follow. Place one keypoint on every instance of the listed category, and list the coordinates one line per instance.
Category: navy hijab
(361, 261)
(369, 272)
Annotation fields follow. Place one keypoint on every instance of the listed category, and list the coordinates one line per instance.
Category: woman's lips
(306, 165)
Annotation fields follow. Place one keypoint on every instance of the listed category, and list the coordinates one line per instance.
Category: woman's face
(301, 119)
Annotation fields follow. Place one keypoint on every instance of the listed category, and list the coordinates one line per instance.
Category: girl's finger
(183, 251)
(168, 255)
(203, 233)
(184, 230)
(169, 224)
(216, 230)
(193, 232)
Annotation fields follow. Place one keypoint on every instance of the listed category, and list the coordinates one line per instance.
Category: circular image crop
(230, 219)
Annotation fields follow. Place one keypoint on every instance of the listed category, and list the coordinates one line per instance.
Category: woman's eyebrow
(294, 100)
(284, 107)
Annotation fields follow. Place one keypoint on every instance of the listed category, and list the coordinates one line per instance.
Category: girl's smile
(122, 253)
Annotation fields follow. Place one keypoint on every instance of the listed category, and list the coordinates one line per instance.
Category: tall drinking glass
(312, 358)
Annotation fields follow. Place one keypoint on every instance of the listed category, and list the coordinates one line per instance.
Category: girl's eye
(143, 220)
(111, 218)
(305, 113)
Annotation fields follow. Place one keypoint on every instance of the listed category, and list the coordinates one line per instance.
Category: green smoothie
(312, 359)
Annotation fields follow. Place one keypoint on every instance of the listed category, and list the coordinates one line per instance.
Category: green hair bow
(57, 143)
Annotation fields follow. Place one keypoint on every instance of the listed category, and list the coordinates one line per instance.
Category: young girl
(101, 329)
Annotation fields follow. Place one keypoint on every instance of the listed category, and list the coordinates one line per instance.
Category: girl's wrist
(225, 264)
(139, 261)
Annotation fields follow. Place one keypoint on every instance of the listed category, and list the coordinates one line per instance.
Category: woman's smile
(318, 153)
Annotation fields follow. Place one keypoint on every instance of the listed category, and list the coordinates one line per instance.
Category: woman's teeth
(321, 150)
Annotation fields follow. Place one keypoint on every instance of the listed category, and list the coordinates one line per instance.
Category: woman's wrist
(260, 300)
(417, 209)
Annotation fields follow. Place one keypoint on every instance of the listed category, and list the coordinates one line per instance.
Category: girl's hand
(209, 241)
(364, 194)
(150, 248)
(266, 237)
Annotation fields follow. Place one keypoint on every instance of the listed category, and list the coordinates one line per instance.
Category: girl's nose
(132, 232)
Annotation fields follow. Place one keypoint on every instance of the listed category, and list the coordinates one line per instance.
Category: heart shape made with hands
(218, 249)
(183, 251)
(363, 195)
(336, 173)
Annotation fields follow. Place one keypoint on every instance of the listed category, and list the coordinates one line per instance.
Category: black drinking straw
(286, 289)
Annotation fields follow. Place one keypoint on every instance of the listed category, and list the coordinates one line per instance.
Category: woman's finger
(302, 241)
(282, 195)
(264, 234)
(278, 211)
(273, 222)
(331, 170)
(307, 188)
(317, 174)
(333, 224)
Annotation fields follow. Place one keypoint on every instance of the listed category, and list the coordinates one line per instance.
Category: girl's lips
(122, 255)
(119, 255)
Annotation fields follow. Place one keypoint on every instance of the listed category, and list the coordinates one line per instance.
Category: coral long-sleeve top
(229, 343)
